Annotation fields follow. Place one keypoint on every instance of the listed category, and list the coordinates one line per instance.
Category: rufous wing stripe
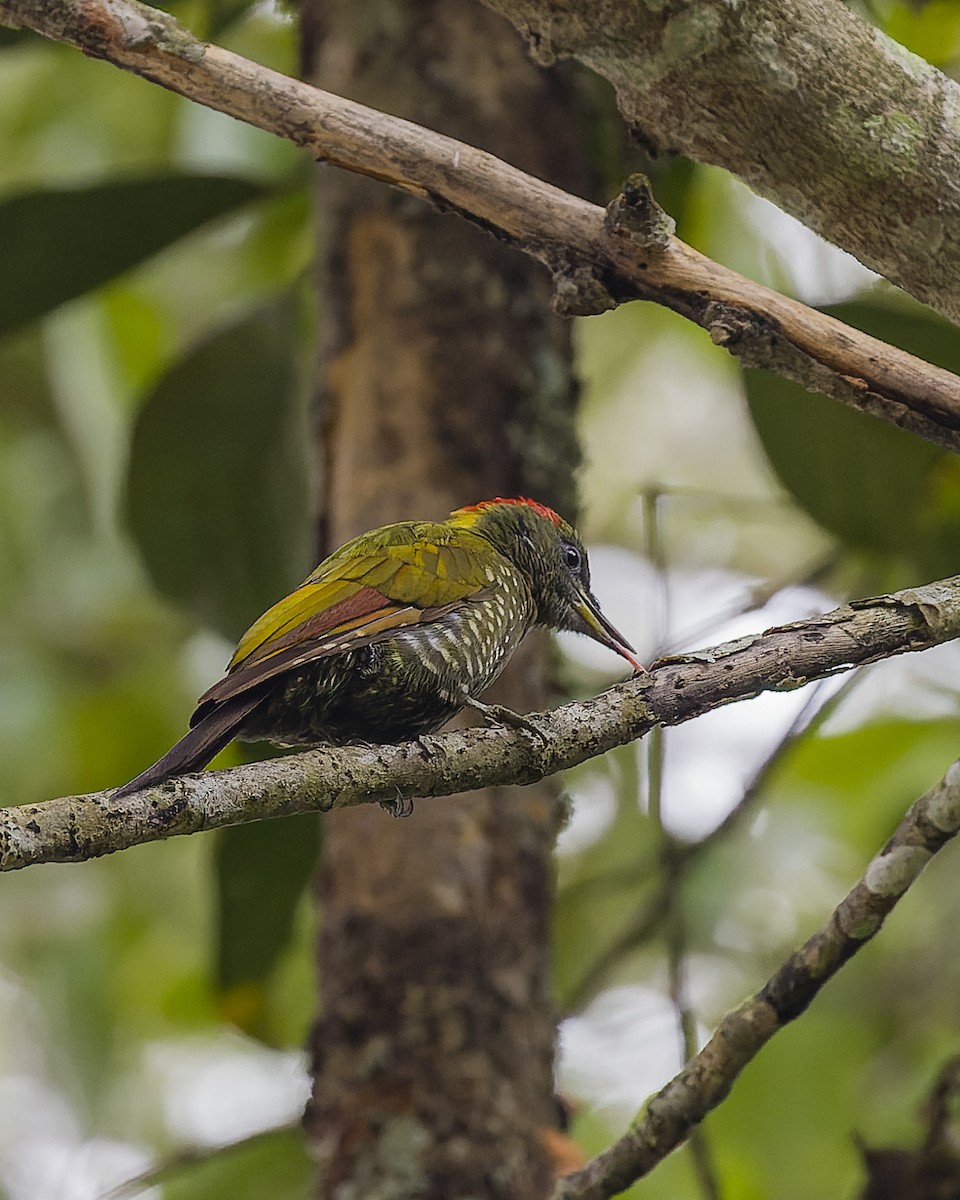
(364, 632)
(348, 613)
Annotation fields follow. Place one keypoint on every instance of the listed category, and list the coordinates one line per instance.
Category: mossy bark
(809, 104)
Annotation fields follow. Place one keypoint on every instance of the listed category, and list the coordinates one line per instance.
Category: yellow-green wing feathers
(412, 566)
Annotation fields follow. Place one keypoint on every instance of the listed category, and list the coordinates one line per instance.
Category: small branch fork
(669, 1117)
(598, 258)
(75, 828)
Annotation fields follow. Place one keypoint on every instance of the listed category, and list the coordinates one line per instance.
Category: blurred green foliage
(874, 486)
(217, 474)
(930, 29)
(240, 1173)
(155, 463)
(60, 244)
(261, 873)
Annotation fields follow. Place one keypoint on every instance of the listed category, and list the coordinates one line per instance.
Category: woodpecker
(395, 632)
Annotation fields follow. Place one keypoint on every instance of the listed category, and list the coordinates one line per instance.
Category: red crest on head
(541, 509)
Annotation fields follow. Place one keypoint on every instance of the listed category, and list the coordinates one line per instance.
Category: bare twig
(800, 99)
(671, 867)
(80, 827)
(189, 1157)
(656, 909)
(672, 875)
(812, 715)
(755, 597)
(599, 259)
(667, 1119)
(646, 924)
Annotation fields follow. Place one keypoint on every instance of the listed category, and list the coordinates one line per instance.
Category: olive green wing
(403, 576)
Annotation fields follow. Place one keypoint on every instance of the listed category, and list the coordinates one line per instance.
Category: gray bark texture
(75, 828)
(809, 104)
(598, 258)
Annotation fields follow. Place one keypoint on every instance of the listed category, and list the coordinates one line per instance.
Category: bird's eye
(572, 558)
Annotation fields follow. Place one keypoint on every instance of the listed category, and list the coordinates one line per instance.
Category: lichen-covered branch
(808, 103)
(598, 259)
(80, 827)
(667, 1118)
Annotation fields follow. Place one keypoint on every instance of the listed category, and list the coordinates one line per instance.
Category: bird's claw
(399, 806)
(426, 749)
(498, 714)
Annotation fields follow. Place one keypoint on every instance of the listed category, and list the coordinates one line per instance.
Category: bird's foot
(497, 714)
(426, 748)
(399, 806)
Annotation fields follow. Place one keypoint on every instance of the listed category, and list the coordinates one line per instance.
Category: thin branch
(675, 930)
(75, 828)
(599, 259)
(671, 867)
(655, 909)
(645, 924)
(810, 104)
(672, 870)
(668, 1118)
(755, 597)
(189, 1157)
(810, 717)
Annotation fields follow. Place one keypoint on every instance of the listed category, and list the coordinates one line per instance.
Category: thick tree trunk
(444, 379)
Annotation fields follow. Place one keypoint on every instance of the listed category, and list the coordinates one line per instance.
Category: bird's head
(549, 553)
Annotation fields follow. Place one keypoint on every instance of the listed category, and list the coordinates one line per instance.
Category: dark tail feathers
(196, 747)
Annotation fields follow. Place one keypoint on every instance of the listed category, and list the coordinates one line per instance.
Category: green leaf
(874, 486)
(217, 480)
(931, 29)
(860, 782)
(60, 243)
(14, 37)
(261, 871)
(223, 13)
(274, 1164)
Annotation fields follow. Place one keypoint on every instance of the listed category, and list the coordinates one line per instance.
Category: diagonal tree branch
(668, 1118)
(598, 259)
(75, 828)
(805, 100)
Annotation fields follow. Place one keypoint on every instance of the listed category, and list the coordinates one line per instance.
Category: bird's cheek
(573, 621)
